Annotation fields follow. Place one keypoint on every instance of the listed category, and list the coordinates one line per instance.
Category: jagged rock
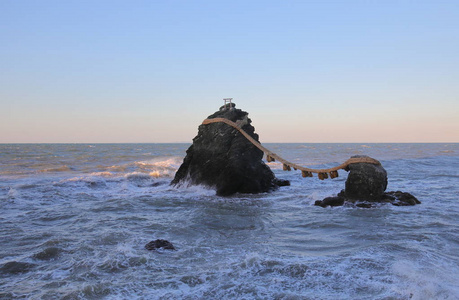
(159, 244)
(399, 198)
(222, 158)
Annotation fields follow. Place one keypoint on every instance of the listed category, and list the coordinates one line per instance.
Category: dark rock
(364, 205)
(16, 267)
(222, 158)
(330, 201)
(48, 253)
(281, 182)
(399, 198)
(365, 182)
(159, 244)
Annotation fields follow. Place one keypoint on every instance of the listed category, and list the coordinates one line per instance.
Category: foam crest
(435, 282)
(159, 167)
(137, 176)
(102, 174)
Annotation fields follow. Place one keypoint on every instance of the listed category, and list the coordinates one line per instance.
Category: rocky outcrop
(366, 185)
(222, 158)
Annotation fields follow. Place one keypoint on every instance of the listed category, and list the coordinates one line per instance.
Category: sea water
(75, 219)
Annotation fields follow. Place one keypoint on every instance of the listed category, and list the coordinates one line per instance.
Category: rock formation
(365, 185)
(222, 158)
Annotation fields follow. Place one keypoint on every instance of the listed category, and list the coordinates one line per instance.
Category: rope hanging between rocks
(287, 166)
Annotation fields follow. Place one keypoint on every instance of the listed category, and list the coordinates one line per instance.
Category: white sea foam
(102, 174)
(436, 281)
(137, 176)
(12, 193)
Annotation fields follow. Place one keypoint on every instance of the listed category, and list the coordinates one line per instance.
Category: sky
(305, 71)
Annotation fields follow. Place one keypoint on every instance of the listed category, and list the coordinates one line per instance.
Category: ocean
(75, 219)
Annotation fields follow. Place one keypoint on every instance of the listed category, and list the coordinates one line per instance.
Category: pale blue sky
(306, 71)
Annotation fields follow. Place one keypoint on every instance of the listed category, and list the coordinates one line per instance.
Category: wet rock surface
(159, 244)
(365, 187)
(399, 198)
(48, 253)
(330, 201)
(222, 158)
(16, 267)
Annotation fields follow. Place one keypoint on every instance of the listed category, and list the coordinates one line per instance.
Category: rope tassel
(306, 174)
(269, 158)
(322, 175)
(333, 174)
(286, 167)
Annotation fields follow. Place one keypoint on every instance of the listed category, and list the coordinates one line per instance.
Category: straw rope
(287, 166)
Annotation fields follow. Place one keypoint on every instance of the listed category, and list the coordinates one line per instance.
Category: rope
(287, 166)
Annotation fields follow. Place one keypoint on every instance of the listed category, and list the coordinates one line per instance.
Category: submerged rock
(48, 253)
(16, 267)
(159, 244)
(330, 201)
(222, 158)
(365, 185)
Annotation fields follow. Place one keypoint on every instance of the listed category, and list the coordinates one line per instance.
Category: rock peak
(228, 106)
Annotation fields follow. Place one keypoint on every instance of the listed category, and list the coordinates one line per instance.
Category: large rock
(222, 158)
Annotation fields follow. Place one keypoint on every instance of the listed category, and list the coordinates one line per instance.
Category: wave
(63, 168)
(102, 174)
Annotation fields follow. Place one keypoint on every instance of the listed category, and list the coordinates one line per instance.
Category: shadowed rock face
(221, 157)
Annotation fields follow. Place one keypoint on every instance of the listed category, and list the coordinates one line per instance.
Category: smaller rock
(330, 201)
(48, 253)
(159, 244)
(365, 181)
(399, 198)
(281, 182)
(366, 185)
(364, 205)
(16, 267)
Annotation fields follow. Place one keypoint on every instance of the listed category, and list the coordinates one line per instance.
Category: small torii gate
(227, 100)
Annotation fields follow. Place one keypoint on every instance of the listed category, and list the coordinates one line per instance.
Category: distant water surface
(75, 218)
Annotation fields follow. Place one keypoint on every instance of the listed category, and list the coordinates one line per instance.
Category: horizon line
(108, 143)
